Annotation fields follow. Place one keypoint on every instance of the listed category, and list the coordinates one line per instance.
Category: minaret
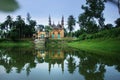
(49, 67)
(49, 20)
(62, 21)
(62, 66)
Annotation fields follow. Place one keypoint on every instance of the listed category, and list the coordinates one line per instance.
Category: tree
(117, 22)
(20, 25)
(82, 20)
(47, 30)
(77, 33)
(8, 23)
(92, 27)
(14, 35)
(65, 32)
(2, 32)
(108, 26)
(41, 27)
(17, 29)
(93, 11)
(101, 22)
(87, 24)
(71, 22)
(27, 31)
(28, 17)
(31, 25)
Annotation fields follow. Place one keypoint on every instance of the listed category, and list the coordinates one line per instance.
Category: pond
(57, 64)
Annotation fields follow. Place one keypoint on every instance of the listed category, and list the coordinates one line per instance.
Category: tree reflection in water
(71, 64)
(91, 66)
(17, 58)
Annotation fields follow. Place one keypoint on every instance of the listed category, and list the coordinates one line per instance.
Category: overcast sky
(41, 9)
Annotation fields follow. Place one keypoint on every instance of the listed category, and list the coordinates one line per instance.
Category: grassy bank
(104, 41)
(22, 43)
(107, 46)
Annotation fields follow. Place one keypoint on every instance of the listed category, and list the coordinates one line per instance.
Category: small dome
(59, 26)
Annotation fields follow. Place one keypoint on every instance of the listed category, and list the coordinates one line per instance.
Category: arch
(53, 35)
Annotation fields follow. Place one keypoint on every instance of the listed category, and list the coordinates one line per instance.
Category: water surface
(57, 64)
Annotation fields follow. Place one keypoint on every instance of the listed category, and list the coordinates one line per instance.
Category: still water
(57, 64)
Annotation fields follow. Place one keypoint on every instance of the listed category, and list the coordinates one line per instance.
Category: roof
(56, 26)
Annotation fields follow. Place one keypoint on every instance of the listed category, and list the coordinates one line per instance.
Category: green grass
(24, 43)
(107, 46)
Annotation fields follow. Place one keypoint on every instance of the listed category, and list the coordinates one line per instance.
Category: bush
(112, 33)
(82, 37)
(2, 40)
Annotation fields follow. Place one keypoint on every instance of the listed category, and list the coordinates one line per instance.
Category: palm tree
(8, 24)
(32, 25)
(28, 17)
(20, 24)
(71, 23)
(2, 28)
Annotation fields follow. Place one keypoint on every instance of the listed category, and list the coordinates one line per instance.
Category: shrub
(111, 33)
(82, 37)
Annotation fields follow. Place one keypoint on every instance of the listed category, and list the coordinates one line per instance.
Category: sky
(41, 9)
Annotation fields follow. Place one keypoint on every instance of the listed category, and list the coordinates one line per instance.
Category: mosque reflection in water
(52, 57)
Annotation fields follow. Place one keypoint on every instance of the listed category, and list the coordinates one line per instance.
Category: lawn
(23, 43)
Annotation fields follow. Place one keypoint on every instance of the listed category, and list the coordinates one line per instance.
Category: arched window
(53, 35)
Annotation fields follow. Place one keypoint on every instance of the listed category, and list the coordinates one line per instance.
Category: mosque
(57, 31)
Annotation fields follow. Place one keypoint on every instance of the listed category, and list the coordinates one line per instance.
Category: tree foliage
(108, 26)
(17, 29)
(41, 27)
(71, 22)
(117, 22)
(47, 30)
(93, 13)
(86, 25)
